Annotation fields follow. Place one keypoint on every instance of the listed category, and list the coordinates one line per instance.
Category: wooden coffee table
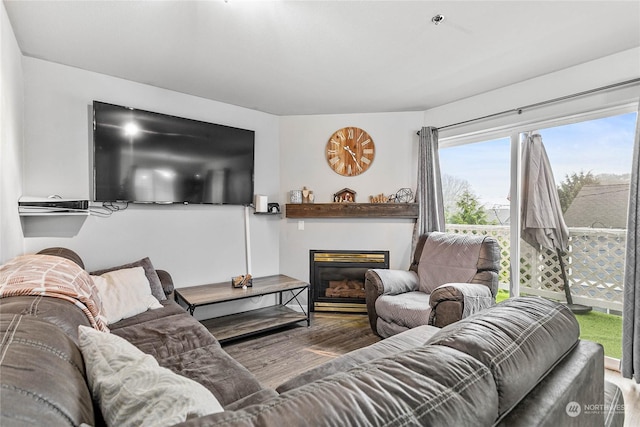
(240, 325)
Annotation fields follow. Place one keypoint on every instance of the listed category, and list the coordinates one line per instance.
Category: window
(475, 187)
(591, 162)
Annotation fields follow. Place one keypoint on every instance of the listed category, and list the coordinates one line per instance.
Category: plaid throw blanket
(56, 277)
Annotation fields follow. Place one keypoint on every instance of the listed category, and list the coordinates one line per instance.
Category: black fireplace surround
(337, 278)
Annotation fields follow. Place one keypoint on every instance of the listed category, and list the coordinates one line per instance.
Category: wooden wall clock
(350, 151)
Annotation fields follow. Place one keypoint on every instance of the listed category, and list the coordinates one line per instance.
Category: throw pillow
(124, 293)
(149, 271)
(133, 390)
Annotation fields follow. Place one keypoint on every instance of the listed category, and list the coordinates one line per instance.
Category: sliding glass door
(591, 163)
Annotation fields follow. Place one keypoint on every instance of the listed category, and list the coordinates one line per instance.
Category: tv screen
(145, 157)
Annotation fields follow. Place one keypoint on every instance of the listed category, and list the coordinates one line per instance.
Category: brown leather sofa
(519, 363)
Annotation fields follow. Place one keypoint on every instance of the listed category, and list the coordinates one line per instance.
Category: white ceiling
(317, 57)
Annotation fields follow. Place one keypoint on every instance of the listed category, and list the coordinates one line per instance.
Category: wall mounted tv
(145, 157)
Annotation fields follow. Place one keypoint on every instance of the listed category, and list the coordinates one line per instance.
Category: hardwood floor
(276, 357)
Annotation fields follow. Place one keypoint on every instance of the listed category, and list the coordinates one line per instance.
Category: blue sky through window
(602, 146)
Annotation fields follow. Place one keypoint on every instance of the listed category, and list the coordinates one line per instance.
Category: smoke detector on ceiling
(438, 19)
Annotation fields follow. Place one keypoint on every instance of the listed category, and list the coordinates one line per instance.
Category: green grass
(602, 328)
(502, 295)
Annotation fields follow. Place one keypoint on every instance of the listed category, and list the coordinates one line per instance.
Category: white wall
(196, 244)
(11, 96)
(302, 157)
(605, 71)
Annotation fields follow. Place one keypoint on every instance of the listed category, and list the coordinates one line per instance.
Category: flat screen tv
(145, 157)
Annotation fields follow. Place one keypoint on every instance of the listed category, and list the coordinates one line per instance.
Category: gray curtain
(631, 311)
(429, 188)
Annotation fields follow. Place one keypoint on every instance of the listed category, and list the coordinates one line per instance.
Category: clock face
(350, 151)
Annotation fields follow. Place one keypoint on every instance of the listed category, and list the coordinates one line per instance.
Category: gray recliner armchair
(451, 277)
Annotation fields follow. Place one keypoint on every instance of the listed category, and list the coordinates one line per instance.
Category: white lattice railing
(594, 265)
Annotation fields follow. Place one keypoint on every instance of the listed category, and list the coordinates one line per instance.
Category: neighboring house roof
(498, 215)
(599, 206)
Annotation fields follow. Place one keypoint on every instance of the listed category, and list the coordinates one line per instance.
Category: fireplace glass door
(337, 278)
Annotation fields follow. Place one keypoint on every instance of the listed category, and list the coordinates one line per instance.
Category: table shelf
(240, 325)
(243, 324)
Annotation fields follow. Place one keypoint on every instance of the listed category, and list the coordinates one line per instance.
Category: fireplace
(337, 278)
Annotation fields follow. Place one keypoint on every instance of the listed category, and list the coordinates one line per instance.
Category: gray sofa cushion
(410, 309)
(576, 379)
(164, 332)
(182, 344)
(43, 375)
(52, 310)
(396, 344)
(169, 308)
(64, 253)
(519, 342)
(448, 258)
(427, 386)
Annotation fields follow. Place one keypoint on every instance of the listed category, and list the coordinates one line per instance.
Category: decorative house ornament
(350, 151)
(346, 195)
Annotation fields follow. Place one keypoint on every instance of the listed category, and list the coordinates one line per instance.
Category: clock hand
(353, 155)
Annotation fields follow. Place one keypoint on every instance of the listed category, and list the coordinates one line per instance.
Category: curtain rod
(519, 110)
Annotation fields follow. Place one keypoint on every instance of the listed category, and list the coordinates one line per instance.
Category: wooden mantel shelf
(351, 210)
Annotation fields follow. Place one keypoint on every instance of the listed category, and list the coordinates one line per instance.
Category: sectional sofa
(519, 363)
